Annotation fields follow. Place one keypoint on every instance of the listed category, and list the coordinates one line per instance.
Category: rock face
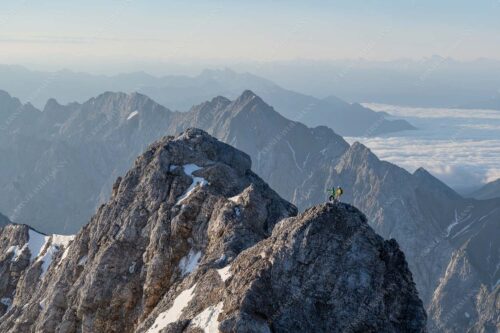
(25, 258)
(192, 240)
(471, 285)
(323, 271)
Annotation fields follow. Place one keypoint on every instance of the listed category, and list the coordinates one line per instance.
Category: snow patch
(132, 114)
(173, 314)
(41, 251)
(224, 273)
(189, 263)
(306, 160)
(221, 259)
(207, 319)
(36, 243)
(17, 252)
(46, 259)
(42, 303)
(131, 268)
(189, 169)
(464, 229)
(293, 155)
(6, 301)
(237, 211)
(448, 230)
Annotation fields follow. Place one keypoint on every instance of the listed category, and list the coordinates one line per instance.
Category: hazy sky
(72, 33)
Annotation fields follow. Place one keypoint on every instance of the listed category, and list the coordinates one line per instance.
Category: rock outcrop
(322, 271)
(192, 240)
(25, 257)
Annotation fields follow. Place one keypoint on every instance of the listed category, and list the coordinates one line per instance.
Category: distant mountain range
(434, 81)
(182, 92)
(80, 150)
(492, 103)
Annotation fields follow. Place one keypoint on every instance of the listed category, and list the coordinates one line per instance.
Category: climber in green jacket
(331, 192)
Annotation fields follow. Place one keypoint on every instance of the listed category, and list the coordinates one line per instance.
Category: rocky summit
(192, 240)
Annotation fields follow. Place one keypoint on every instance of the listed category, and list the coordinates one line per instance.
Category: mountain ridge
(179, 248)
(182, 92)
(429, 220)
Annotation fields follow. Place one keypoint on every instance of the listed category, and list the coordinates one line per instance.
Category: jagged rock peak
(323, 271)
(52, 103)
(248, 96)
(190, 204)
(196, 145)
(220, 100)
(426, 179)
(217, 103)
(359, 147)
(358, 155)
(108, 97)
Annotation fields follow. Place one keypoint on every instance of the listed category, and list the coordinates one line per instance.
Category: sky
(61, 33)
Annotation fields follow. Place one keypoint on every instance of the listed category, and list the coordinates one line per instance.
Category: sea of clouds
(460, 147)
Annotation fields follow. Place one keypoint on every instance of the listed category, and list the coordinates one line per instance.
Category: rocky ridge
(192, 240)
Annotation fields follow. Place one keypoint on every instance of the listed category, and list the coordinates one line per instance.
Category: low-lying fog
(459, 146)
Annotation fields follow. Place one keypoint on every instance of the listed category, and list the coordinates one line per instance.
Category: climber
(335, 194)
(338, 193)
(332, 193)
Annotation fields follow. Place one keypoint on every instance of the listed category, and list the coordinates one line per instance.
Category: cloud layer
(461, 147)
